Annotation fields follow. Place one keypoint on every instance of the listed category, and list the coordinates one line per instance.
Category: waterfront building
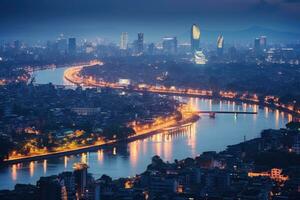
(169, 45)
(72, 46)
(81, 176)
(195, 38)
(124, 41)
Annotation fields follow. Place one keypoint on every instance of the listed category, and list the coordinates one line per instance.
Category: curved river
(129, 159)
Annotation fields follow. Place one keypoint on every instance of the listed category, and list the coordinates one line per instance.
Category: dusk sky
(21, 18)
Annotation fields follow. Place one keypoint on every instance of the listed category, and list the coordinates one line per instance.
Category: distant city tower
(263, 42)
(257, 45)
(169, 45)
(140, 43)
(195, 38)
(220, 45)
(124, 41)
(72, 46)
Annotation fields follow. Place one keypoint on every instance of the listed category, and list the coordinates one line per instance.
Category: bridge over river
(213, 113)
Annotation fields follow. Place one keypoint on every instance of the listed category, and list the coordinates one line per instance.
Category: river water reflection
(129, 159)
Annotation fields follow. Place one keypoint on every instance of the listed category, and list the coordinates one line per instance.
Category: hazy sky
(19, 17)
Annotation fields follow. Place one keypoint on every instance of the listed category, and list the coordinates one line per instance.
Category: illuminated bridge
(213, 113)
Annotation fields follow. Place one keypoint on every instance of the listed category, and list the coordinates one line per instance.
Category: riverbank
(73, 76)
(190, 118)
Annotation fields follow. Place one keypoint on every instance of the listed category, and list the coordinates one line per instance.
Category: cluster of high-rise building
(64, 49)
(169, 45)
(63, 46)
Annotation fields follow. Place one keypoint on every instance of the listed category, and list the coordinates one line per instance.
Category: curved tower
(195, 37)
(220, 45)
(220, 42)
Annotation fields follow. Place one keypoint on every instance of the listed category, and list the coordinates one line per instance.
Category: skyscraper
(72, 46)
(263, 42)
(140, 43)
(151, 48)
(62, 45)
(257, 45)
(195, 38)
(124, 41)
(169, 45)
(220, 45)
(68, 180)
(80, 174)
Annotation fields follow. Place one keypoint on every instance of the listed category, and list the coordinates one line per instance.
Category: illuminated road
(141, 131)
(72, 74)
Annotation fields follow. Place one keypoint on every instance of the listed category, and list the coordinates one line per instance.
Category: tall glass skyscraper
(220, 45)
(169, 45)
(140, 43)
(124, 41)
(195, 38)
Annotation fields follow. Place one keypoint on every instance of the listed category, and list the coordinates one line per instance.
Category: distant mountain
(252, 32)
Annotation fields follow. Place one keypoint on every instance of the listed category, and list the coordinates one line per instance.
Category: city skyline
(149, 99)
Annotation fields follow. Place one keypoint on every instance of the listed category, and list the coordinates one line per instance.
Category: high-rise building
(93, 191)
(195, 38)
(169, 45)
(62, 45)
(80, 174)
(263, 42)
(220, 45)
(151, 48)
(257, 45)
(68, 180)
(140, 43)
(124, 41)
(72, 46)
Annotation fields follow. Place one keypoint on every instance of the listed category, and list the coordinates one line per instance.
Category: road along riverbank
(187, 118)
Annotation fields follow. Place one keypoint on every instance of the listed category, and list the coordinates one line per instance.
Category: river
(129, 159)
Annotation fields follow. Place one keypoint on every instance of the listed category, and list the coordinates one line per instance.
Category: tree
(5, 147)
(293, 125)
